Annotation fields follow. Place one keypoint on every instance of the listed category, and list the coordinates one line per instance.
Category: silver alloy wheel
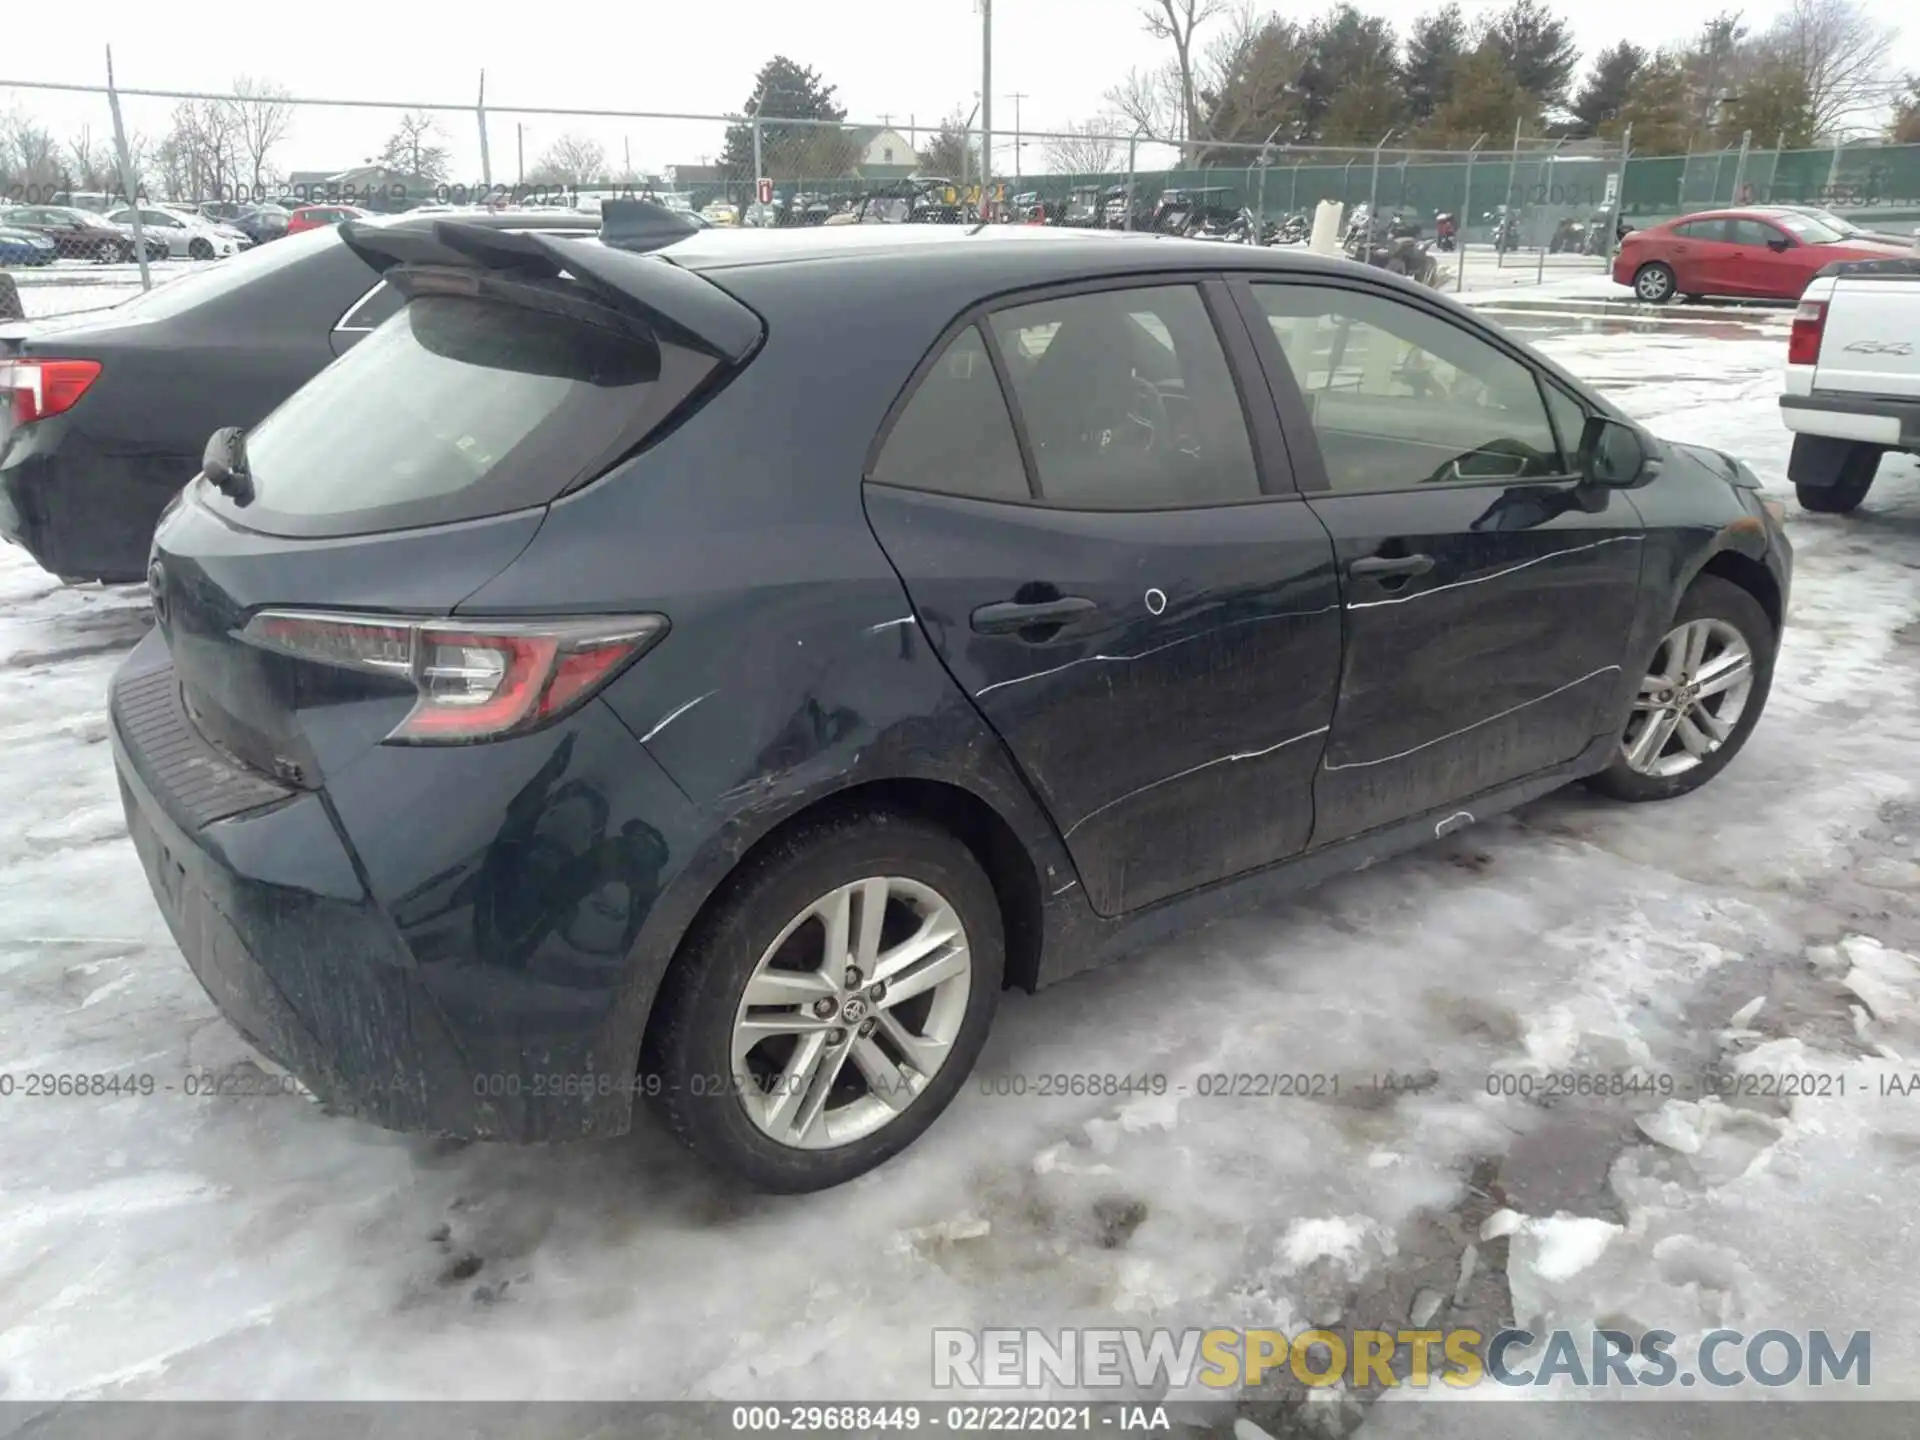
(1691, 701)
(876, 973)
(1653, 284)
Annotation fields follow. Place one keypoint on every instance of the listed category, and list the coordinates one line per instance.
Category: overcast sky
(907, 58)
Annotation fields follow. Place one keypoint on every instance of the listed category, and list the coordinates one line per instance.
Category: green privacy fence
(1865, 177)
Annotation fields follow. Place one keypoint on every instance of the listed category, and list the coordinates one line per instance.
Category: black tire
(110, 252)
(1708, 598)
(1655, 283)
(1849, 487)
(690, 1035)
(199, 248)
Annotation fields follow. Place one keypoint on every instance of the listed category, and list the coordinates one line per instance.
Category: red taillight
(474, 682)
(35, 389)
(1809, 322)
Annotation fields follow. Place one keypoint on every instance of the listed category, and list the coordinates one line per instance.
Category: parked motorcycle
(1506, 229)
(1445, 229)
(1398, 254)
(1597, 232)
(1569, 234)
(1293, 230)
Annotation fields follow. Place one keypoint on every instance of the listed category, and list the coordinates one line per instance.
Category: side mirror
(1612, 454)
(225, 463)
(1780, 247)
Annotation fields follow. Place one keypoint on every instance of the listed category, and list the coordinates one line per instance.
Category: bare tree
(418, 147)
(570, 160)
(34, 162)
(1840, 53)
(1177, 21)
(1086, 147)
(90, 166)
(201, 156)
(260, 121)
(1149, 102)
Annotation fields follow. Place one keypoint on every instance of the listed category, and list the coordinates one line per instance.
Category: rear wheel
(1702, 694)
(108, 252)
(1849, 487)
(831, 1005)
(1654, 283)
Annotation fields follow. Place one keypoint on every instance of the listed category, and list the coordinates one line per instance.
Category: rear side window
(955, 435)
(1128, 401)
(1702, 230)
(457, 407)
(1753, 232)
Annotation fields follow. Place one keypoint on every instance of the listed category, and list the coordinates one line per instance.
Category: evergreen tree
(787, 90)
(1606, 89)
(1536, 46)
(1436, 44)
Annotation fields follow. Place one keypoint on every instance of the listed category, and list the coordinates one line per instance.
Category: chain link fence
(218, 174)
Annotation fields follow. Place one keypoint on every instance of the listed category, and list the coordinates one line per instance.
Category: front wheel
(831, 1005)
(1702, 694)
(1849, 487)
(1655, 283)
(199, 249)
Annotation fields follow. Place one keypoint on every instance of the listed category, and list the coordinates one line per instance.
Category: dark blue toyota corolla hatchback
(708, 668)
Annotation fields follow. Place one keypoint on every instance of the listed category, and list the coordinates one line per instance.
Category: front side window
(1127, 400)
(1400, 397)
(955, 435)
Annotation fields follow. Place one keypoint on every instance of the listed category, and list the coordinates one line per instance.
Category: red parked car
(1756, 254)
(313, 217)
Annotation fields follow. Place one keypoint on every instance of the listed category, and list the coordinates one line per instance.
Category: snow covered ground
(257, 1248)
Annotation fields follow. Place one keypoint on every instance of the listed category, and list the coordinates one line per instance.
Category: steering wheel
(1148, 399)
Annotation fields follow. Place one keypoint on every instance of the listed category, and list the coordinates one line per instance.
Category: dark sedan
(80, 234)
(259, 222)
(606, 682)
(111, 408)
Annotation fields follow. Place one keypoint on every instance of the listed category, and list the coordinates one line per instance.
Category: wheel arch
(1750, 575)
(974, 821)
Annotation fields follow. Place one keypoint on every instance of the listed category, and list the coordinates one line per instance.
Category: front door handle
(1008, 616)
(1376, 565)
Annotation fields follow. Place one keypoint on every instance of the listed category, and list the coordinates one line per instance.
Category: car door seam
(1193, 770)
(1496, 575)
(1452, 734)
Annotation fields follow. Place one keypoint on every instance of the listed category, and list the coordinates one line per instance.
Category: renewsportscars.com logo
(1174, 1360)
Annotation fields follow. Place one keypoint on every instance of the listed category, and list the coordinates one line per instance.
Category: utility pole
(520, 153)
(1017, 96)
(986, 108)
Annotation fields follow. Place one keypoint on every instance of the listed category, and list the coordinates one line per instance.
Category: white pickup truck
(1853, 379)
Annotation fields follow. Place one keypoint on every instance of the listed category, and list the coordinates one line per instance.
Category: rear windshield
(454, 408)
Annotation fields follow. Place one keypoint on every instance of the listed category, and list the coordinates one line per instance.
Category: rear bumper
(84, 514)
(428, 1011)
(1870, 420)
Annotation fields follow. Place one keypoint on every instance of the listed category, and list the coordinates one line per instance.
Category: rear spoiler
(678, 302)
(1888, 269)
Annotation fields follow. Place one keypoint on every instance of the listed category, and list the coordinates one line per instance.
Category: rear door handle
(1010, 615)
(1391, 565)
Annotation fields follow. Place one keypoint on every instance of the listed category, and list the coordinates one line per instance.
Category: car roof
(985, 258)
